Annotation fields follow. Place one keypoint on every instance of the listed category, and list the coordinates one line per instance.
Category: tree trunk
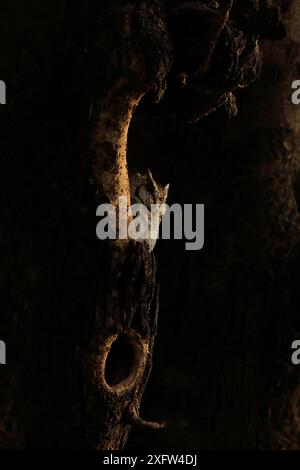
(79, 316)
(80, 346)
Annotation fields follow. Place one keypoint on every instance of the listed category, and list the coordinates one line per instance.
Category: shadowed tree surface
(79, 316)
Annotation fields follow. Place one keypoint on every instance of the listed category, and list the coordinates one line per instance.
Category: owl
(145, 190)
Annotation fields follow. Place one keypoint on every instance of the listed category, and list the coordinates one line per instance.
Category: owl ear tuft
(166, 191)
(151, 180)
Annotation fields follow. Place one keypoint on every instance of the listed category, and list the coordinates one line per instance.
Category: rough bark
(91, 392)
(127, 310)
(80, 317)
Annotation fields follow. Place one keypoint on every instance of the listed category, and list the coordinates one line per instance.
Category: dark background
(225, 327)
(229, 313)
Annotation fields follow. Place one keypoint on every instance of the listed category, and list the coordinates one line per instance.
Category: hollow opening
(119, 362)
(124, 362)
